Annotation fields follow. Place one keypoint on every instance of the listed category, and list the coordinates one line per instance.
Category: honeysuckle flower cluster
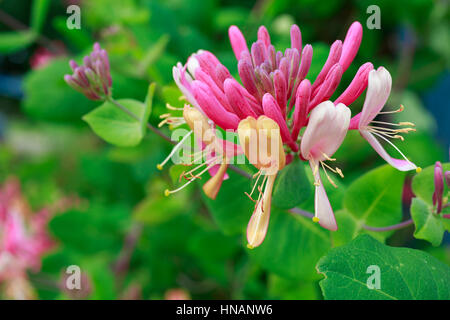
(93, 78)
(278, 105)
(23, 241)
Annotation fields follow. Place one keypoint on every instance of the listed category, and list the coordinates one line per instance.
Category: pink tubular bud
(258, 53)
(296, 38)
(73, 65)
(238, 42)
(272, 110)
(333, 58)
(237, 100)
(351, 45)
(247, 75)
(264, 36)
(222, 74)
(438, 187)
(212, 108)
(305, 64)
(294, 58)
(280, 86)
(301, 107)
(266, 82)
(357, 86)
(328, 87)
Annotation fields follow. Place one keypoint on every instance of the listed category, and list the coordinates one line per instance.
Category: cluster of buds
(23, 241)
(276, 93)
(92, 78)
(439, 178)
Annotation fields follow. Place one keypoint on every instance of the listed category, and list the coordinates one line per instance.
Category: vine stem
(131, 114)
(243, 173)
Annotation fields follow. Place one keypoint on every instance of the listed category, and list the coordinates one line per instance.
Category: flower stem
(397, 226)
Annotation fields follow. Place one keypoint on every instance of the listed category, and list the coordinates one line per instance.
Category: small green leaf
(11, 41)
(429, 226)
(403, 273)
(423, 183)
(292, 186)
(375, 198)
(116, 126)
(292, 246)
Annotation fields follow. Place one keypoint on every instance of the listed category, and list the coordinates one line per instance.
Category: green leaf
(292, 186)
(429, 226)
(375, 199)
(423, 183)
(231, 210)
(11, 41)
(348, 228)
(116, 126)
(292, 246)
(404, 273)
(38, 14)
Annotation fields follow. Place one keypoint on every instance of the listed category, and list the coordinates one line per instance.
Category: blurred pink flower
(23, 235)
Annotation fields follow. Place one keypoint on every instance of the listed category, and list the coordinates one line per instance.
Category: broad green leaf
(39, 11)
(423, 183)
(375, 199)
(231, 210)
(11, 41)
(429, 226)
(404, 273)
(292, 246)
(292, 186)
(116, 126)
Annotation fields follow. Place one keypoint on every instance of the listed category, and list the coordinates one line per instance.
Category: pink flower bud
(357, 86)
(213, 109)
(296, 38)
(351, 45)
(247, 75)
(237, 100)
(438, 187)
(264, 36)
(333, 58)
(301, 107)
(238, 42)
(328, 87)
(272, 110)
